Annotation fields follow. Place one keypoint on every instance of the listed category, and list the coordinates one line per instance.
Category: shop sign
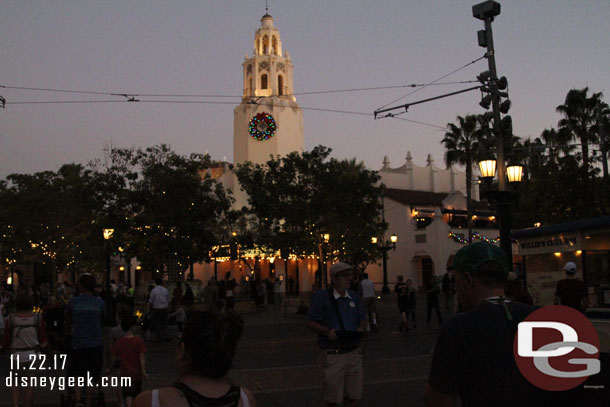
(549, 244)
(541, 286)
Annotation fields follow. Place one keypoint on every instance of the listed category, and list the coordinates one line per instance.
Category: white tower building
(268, 121)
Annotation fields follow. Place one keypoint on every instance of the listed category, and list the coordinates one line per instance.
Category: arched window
(274, 45)
(249, 85)
(265, 44)
(264, 81)
(280, 85)
(249, 69)
(258, 45)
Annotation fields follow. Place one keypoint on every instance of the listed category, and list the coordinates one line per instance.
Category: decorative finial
(266, 7)
(386, 161)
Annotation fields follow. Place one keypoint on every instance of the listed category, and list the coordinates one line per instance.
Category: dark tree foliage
(297, 199)
(563, 182)
(463, 144)
(164, 208)
(49, 217)
(173, 207)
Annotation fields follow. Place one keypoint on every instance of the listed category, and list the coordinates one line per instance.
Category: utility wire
(418, 122)
(207, 103)
(433, 82)
(90, 92)
(201, 102)
(412, 85)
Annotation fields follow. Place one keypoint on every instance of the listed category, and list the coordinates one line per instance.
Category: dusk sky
(155, 47)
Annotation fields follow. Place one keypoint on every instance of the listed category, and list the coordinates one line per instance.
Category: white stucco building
(423, 205)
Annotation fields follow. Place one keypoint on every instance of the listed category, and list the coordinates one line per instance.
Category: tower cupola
(268, 73)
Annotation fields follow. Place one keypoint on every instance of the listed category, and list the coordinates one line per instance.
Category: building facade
(425, 206)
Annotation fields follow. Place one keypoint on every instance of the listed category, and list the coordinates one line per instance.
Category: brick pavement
(278, 360)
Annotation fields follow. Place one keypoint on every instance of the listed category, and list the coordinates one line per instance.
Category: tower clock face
(262, 126)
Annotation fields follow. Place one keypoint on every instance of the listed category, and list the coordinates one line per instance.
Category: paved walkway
(278, 360)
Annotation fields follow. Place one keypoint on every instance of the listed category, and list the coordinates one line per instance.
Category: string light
(475, 235)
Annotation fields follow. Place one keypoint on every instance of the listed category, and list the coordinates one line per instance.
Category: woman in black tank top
(203, 358)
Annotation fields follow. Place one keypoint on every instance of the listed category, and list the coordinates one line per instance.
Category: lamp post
(504, 200)
(502, 127)
(385, 290)
(325, 238)
(107, 236)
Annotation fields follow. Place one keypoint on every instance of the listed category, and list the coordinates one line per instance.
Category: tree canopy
(298, 198)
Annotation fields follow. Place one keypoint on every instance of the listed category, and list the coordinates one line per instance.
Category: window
(420, 239)
(274, 45)
(264, 81)
(423, 222)
(280, 85)
(265, 44)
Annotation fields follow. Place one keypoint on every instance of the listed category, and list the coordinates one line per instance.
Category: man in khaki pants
(337, 315)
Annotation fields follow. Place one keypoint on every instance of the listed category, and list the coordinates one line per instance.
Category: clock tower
(268, 120)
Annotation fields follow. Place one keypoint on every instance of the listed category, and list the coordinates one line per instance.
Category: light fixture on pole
(107, 233)
(385, 290)
(325, 238)
(393, 239)
(514, 173)
(488, 168)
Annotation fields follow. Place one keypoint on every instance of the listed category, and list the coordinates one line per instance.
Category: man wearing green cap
(473, 357)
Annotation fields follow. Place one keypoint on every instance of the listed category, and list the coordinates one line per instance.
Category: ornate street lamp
(325, 238)
(385, 290)
(394, 239)
(107, 233)
(488, 168)
(514, 173)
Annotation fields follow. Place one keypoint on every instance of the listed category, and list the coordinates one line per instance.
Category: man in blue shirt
(84, 316)
(337, 316)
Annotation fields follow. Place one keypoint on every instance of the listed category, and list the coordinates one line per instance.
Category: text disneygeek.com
(16, 379)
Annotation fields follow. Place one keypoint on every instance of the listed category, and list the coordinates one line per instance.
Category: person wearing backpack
(25, 336)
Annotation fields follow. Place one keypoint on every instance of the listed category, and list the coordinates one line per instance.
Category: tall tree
(176, 208)
(47, 218)
(298, 198)
(462, 145)
(579, 121)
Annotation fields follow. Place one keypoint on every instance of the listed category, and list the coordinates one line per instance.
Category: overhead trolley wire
(433, 82)
(188, 95)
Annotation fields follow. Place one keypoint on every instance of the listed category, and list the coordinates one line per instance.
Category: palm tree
(579, 122)
(462, 145)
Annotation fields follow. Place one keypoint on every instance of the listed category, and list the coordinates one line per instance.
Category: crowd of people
(490, 303)
(71, 321)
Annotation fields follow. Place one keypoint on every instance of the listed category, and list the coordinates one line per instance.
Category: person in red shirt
(131, 351)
